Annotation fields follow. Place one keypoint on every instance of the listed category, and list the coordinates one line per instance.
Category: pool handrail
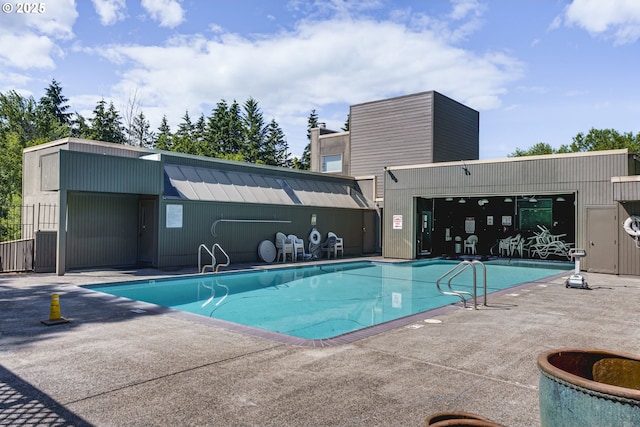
(215, 266)
(457, 270)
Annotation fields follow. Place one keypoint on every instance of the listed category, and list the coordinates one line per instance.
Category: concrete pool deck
(116, 365)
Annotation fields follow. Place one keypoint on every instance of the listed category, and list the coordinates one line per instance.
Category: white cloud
(317, 65)
(34, 51)
(110, 11)
(28, 41)
(616, 19)
(168, 12)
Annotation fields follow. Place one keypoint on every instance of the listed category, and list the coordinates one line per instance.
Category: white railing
(215, 266)
(456, 271)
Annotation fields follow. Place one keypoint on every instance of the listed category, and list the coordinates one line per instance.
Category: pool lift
(577, 280)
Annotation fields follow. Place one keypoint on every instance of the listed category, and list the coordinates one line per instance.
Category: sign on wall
(470, 225)
(174, 216)
(397, 222)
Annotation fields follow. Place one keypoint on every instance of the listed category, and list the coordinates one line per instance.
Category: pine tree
(79, 127)
(139, 134)
(347, 124)
(164, 137)
(106, 124)
(183, 139)
(276, 148)
(99, 126)
(214, 134)
(114, 126)
(254, 133)
(199, 130)
(305, 161)
(55, 103)
(235, 132)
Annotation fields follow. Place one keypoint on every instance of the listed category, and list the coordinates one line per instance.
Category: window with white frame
(332, 163)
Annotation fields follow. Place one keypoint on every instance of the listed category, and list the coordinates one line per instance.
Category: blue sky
(536, 70)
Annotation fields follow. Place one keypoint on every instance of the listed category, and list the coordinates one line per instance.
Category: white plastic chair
(329, 245)
(504, 246)
(470, 244)
(339, 246)
(284, 246)
(298, 246)
(516, 245)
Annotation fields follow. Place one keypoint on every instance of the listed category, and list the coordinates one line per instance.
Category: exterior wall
(330, 144)
(456, 130)
(587, 174)
(99, 188)
(102, 230)
(391, 132)
(109, 174)
(179, 246)
(33, 176)
(422, 128)
(55, 167)
(626, 188)
(629, 248)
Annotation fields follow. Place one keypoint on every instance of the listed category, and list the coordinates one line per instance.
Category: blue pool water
(323, 301)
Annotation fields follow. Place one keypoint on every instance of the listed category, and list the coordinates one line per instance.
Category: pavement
(118, 364)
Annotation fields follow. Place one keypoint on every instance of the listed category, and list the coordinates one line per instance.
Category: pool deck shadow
(117, 364)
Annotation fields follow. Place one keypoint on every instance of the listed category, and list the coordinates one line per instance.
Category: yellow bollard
(54, 312)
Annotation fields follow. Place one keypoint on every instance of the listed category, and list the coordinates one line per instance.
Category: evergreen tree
(106, 124)
(312, 122)
(199, 131)
(254, 133)
(235, 133)
(214, 134)
(305, 161)
(347, 124)
(99, 120)
(276, 148)
(183, 139)
(114, 126)
(55, 103)
(79, 127)
(164, 137)
(140, 133)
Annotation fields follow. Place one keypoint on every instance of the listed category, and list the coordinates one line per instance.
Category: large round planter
(458, 418)
(589, 388)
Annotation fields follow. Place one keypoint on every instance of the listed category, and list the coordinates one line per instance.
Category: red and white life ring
(632, 226)
(314, 236)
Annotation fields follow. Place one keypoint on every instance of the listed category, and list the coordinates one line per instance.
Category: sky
(536, 70)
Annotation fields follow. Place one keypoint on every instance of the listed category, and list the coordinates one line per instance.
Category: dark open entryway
(518, 226)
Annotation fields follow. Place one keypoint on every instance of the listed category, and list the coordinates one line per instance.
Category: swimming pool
(323, 301)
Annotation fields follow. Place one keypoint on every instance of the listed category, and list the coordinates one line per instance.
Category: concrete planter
(461, 419)
(589, 388)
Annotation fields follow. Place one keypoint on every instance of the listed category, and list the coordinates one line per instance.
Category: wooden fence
(37, 254)
(17, 255)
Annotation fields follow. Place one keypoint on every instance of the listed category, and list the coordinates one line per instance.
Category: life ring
(314, 236)
(632, 226)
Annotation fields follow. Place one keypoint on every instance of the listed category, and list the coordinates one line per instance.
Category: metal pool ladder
(214, 263)
(457, 270)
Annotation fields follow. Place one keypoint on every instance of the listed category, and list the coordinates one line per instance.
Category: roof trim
(513, 159)
(71, 140)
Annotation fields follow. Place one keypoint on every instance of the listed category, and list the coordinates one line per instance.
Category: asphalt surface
(117, 363)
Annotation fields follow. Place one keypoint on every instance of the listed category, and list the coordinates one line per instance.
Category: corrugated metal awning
(198, 183)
